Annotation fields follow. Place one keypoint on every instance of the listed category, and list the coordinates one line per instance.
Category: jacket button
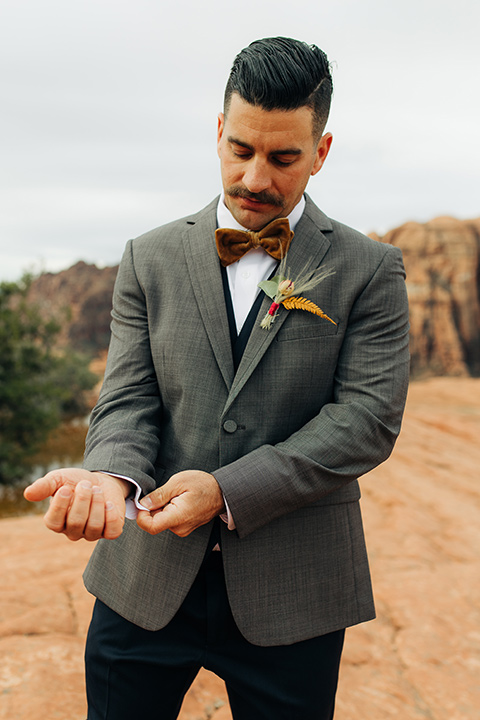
(230, 426)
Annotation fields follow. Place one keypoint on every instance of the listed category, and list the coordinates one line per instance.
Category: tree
(39, 385)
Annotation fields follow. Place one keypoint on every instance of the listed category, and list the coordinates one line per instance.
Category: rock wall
(443, 281)
(81, 299)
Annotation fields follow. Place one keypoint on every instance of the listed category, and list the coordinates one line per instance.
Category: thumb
(158, 498)
(41, 489)
(48, 485)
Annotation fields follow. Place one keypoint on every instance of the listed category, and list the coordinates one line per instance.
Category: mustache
(236, 191)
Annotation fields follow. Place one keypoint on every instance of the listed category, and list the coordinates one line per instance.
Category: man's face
(266, 159)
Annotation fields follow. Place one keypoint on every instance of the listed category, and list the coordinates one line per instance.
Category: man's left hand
(189, 499)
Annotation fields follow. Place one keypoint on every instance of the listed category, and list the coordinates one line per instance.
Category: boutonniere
(282, 287)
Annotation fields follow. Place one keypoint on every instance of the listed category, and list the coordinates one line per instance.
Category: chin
(254, 220)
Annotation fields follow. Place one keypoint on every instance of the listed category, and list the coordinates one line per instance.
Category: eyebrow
(280, 151)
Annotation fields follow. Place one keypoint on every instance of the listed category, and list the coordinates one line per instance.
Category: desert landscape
(420, 659)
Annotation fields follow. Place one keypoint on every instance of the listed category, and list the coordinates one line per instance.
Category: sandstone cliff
(442, 261)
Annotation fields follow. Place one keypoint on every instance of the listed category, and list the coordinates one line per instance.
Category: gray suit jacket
(311, 408)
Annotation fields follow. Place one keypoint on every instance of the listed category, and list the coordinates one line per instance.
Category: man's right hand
(84, 504)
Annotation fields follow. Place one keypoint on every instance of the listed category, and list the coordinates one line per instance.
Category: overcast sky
(109, 107)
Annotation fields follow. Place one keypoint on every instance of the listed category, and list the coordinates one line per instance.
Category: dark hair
(282, 74)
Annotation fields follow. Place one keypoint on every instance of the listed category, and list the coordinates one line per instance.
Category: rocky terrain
(442, 260)
(419, 660)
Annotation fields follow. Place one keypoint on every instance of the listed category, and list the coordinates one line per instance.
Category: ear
(323, 148)
(220, 126)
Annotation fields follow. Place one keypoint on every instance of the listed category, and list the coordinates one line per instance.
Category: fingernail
(109, 506)
(86, 484)
(146, 502)
(97, 489)
(65, 491)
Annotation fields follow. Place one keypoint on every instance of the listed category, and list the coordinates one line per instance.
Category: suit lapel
(206, 279)
(306, 253)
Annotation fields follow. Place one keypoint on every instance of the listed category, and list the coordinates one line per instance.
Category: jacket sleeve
(124, 433)
(352, 434)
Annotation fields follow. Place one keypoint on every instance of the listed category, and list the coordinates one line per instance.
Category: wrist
(125, 486)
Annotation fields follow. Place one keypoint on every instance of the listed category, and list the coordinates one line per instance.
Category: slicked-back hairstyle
(283, 74)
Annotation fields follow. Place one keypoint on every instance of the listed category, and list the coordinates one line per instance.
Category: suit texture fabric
(311, 407)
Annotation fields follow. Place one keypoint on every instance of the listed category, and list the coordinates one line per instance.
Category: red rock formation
(443, 280)
(81, 299)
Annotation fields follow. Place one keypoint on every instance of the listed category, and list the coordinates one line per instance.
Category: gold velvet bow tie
(274, 238)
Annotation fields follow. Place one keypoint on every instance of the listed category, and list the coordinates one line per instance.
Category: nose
(257, 175)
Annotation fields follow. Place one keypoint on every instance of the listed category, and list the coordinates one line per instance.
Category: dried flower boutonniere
(281, 289)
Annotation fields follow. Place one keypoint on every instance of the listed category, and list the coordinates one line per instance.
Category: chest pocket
(308, 331)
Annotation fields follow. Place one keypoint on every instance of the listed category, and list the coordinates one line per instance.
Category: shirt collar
(225, 218)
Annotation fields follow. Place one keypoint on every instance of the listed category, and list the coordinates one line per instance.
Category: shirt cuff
(227, 516)
(132, 503)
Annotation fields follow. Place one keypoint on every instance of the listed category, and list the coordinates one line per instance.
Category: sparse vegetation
(40, 386)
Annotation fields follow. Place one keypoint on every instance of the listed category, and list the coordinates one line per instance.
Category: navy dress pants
(136, 674)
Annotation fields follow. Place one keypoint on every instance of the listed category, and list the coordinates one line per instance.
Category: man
(206, 413)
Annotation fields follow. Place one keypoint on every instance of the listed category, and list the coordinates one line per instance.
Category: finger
(56, 516)
(167, 518)
(113, 521)
(96, 518)
(79, 511)
(158, 498)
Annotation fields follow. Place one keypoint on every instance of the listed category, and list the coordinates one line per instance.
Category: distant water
(64, 448)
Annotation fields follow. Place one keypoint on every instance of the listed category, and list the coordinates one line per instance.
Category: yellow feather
(301, 303)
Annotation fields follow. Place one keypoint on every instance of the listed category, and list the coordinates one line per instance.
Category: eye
(244, 154)
(240, 151)
(284, 160)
